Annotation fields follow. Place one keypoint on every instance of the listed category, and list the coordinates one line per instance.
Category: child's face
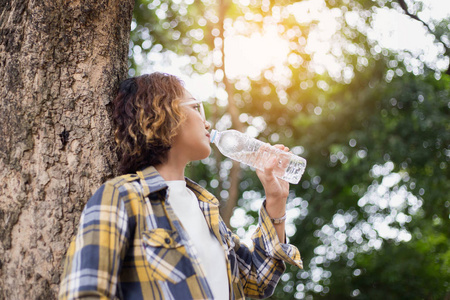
(192, 139)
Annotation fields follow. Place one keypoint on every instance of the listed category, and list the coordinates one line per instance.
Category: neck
(169, 173)
(172, 169)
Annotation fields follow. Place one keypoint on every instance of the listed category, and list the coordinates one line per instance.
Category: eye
(197, 107)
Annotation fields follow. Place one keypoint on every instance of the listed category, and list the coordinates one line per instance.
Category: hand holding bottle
(250, 151)
(275, 188)
(275, 165)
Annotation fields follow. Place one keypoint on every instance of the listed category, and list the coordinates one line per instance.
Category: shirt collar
(152, 182)
(202, 193)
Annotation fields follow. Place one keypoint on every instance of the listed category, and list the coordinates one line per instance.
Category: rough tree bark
(60, 63)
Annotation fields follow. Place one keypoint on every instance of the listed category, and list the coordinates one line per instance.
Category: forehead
(187, 94)
(188, 97)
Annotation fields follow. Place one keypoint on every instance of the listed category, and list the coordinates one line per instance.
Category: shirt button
(167, 240)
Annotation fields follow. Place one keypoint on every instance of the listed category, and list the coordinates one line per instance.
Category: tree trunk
(235, 172)
(60, 64)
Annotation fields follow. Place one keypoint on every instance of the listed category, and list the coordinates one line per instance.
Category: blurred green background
(360, 89)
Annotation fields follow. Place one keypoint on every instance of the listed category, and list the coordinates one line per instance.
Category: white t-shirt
(185, 204)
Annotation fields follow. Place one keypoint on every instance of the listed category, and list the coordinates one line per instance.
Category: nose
(207, 125)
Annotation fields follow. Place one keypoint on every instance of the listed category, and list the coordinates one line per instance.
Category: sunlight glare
(248, 56)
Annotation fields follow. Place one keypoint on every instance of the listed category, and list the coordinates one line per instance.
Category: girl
(154, 234)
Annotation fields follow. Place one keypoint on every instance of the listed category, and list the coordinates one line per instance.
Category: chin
(205, 153)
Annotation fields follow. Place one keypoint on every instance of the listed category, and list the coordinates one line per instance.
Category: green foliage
(161, 25)
(412, 270)
(372, 207)
(404, 122)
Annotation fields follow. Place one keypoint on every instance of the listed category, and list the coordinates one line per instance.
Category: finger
(270, 166)
(281, 147)
(283, 157)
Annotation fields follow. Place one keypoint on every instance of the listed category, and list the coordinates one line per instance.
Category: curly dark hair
(146, 117)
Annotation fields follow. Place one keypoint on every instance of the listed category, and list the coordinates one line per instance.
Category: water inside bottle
(288, 167)
(230, 144)
(295, 169)
(256, 154)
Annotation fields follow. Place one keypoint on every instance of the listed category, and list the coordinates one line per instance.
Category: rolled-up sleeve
(261, 267)
(267, 237)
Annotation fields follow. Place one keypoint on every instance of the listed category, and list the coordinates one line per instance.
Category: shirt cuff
(281, 251)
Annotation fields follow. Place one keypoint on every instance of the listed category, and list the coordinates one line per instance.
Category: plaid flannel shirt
(131, 245)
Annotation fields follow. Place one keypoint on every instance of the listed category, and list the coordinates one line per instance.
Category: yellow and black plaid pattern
(131, 245)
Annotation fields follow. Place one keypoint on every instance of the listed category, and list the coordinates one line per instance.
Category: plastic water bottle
(255, 153)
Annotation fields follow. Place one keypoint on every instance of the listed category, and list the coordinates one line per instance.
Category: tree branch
(404, 6)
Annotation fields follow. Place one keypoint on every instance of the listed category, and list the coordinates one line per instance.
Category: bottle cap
(213, 135)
